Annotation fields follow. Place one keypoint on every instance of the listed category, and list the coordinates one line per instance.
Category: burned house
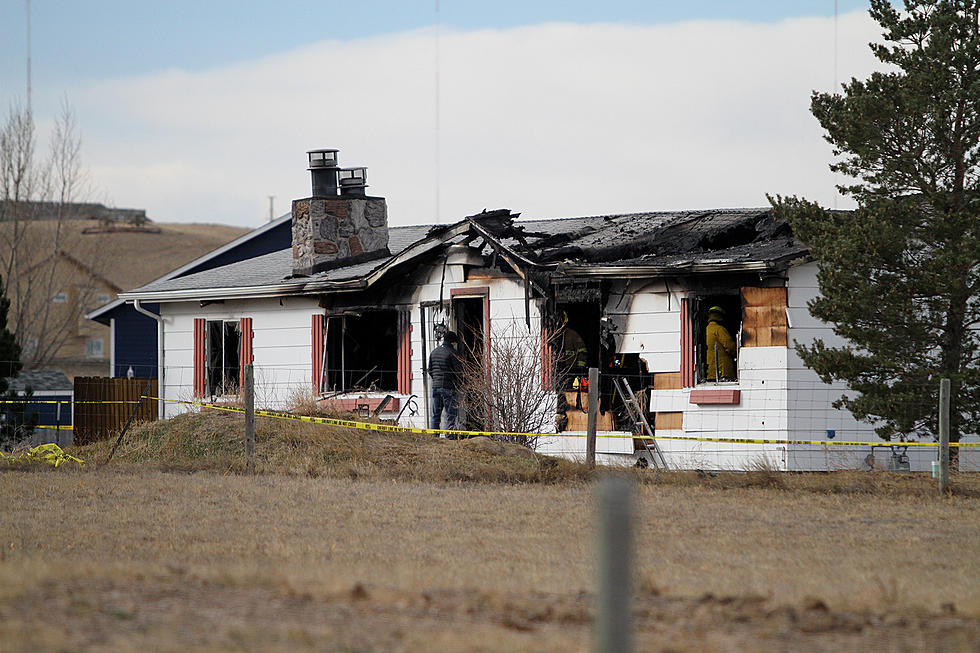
(350, 312)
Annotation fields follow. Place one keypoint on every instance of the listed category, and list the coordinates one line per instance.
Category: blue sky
(121, 62)
(108, 38)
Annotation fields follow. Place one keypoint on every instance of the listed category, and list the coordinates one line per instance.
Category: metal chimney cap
(324, 158)
(352, 176)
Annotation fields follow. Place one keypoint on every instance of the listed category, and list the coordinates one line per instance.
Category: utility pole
(272, 211)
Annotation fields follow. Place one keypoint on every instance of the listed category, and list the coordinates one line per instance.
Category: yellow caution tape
(369, 426)
(67, 401)
(816, 442)
(49, 453)
(63, 427)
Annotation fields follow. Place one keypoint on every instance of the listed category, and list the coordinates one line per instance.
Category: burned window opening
(716, 348)
(223, 350)
(360, 352)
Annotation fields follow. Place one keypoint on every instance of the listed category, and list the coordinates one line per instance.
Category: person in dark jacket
(445, 369)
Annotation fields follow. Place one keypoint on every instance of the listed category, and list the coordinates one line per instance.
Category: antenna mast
(28, 2)
(438, 95)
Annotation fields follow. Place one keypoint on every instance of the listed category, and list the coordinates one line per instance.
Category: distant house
(75, 286)
(133, 338)
(350, 309)
(52, 394)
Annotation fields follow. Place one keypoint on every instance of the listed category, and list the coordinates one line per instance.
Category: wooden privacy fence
(103, 404)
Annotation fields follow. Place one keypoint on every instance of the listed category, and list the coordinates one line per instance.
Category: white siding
(281, 347)
(647, 322)
(811, 414)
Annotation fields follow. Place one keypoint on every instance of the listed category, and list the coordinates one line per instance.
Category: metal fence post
(249, 392)
(593, 416)
(944, 435)
(615, 551)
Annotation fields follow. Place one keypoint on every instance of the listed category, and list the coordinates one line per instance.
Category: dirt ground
(111, 560)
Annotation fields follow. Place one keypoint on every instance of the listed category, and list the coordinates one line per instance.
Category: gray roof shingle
(41, 381)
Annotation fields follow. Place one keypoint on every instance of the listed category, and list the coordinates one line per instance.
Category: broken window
(717, 325)
(223, 352)
(360, 352)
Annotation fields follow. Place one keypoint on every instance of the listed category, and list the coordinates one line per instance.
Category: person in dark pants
(445, 369)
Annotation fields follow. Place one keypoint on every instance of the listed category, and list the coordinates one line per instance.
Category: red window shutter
(245, 355)
(404, 352)
(687, 345)
(316, 347)
(547, 362)
(200, 357)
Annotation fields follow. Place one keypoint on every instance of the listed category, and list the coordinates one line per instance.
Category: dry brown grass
(213, 440)
(124, 559)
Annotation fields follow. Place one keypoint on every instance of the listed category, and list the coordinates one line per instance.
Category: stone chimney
(339, 224)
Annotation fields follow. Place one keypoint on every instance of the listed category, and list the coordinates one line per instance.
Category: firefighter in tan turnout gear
(720, 347)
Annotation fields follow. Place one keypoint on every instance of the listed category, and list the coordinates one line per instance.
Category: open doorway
(470, 326)
(470, 321)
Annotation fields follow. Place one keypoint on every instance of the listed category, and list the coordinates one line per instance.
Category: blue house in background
(133, 335)
(49, 387)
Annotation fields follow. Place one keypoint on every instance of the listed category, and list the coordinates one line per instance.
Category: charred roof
(660, 238)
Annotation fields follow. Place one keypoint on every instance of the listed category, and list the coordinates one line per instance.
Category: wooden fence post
(614, 574)
(944, 436)
(593, 416)
(249, 392)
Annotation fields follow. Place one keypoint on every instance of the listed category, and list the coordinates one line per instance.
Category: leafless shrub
(36, 196)
(510, 388)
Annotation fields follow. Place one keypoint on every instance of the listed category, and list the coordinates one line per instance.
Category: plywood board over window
(765, 322)
(667, 381)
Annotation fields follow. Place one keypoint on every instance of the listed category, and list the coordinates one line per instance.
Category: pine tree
(13, 426)
(900, 276)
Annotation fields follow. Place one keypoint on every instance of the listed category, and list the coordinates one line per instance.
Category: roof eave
(249, 292)
(105, 308)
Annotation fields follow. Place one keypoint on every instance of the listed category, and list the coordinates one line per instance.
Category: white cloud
(549, 120)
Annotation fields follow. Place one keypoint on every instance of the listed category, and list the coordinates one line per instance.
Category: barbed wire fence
(764, 419)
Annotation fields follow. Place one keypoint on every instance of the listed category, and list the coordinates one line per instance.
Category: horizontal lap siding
(649, 323)
(280, 347)
(810, 410)
(135, 341)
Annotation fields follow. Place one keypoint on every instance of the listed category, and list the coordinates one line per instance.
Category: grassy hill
(127, 259)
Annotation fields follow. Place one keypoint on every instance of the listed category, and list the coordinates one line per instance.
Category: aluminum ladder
(641, 425)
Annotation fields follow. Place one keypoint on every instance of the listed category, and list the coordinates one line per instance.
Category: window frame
(212, 386)
(694, 359)
(89, 348)
(401, 360)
